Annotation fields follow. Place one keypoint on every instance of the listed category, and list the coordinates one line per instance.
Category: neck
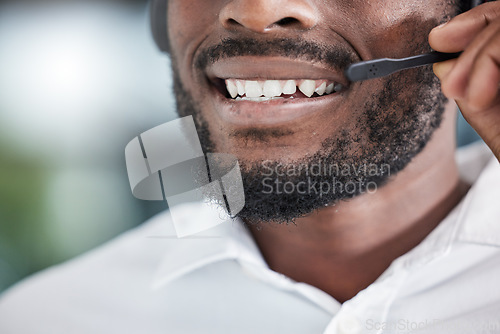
(343, 248)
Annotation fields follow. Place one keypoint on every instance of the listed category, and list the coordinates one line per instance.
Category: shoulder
(89, 283)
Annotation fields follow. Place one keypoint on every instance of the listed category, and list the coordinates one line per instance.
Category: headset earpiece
(158, 15)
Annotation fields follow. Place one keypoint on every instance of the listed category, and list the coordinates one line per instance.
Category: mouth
(268, 90)
(272, 90)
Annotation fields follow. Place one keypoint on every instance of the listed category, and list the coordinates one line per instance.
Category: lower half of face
(340, 152)
(305, 143)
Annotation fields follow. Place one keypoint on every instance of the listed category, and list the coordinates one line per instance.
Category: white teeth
(307, 87)
(272, 88)
(290, 87)
(330, 88)
(241, 88)
(253, 89)
(231, 88)
(321, 89)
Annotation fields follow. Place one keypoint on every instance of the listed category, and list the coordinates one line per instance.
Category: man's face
(306, 44)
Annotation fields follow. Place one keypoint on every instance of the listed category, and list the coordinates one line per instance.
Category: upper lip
(272, 68)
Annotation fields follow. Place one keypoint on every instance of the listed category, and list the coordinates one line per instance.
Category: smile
(254, 91)
(266, 90)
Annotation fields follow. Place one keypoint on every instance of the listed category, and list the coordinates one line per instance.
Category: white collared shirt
(148, 281)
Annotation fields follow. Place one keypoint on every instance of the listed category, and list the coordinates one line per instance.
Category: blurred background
(78, 81)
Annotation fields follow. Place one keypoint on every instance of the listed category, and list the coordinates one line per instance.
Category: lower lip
(245, 113)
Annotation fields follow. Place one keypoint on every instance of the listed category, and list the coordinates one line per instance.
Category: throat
(342, 277)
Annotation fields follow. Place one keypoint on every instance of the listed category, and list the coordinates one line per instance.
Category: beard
(393, 127)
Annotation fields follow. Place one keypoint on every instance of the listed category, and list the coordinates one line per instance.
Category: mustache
(335, 55)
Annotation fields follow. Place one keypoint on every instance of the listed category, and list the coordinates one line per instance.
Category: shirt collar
(475, 219)
(227, 241)
(480, 218)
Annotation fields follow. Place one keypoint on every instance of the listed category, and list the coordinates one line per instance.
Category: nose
(264, 16)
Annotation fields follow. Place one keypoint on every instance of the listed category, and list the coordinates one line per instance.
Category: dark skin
(344, 248)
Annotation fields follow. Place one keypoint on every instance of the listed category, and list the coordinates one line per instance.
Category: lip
(273, 68)
(275, 112)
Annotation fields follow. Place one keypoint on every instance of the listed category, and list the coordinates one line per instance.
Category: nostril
(232, 22)
(264, 16)
(287, 21)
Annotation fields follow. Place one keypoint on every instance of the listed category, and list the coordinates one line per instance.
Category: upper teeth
(275, 88)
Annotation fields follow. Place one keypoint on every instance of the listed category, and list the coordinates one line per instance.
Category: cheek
(189, 24)
(399, 28)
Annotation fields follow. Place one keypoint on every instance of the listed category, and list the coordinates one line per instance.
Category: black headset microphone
(365, 70)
